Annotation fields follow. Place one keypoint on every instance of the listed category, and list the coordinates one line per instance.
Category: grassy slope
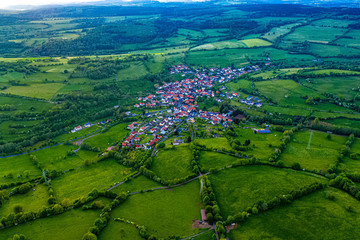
(241, 187)
(311, 217)
(164, 212)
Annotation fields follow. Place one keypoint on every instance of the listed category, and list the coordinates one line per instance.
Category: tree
(210, 218)
(254, 210)
(18, 209)
(316, 121)
(328, 136)
(161, 145)
(296, 166)
(66, 203)
(89, 236)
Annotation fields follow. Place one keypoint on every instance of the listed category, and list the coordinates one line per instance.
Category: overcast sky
(7, 3)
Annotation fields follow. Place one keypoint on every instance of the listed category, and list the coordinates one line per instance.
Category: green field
(320, 156)
(306, 218)
(238, 188)
(59, 158)
(178, 160)
(155, 210)
(41, 90)
(276, 32)
(315, 34)
(215, 143)
(80, 182)
(209, 160)
(137, 184)
(75, 222)
(119, 230)
(225, 57)
(108, 138)
(32, 201)
(341, 86)
(14, 169)
(24, 105)
(247, 43)
(262, 145)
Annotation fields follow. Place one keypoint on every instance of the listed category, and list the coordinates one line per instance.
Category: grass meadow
(70, 225)
(320, 156)
(164, 212)
(80, 182)
(173, 163)
(239, 188)
(311, 217)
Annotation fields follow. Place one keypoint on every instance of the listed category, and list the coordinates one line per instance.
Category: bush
(296, 166)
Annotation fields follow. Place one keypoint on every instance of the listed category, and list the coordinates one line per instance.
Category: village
(175, 103)
(180, 100)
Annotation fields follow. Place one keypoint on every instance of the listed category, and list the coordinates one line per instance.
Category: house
(87, 125)
(142, 129)
(138, 146)
(177, 141)
(131, 126)
(109, 148)
(137, 139)
(77, 129)
(266, 130)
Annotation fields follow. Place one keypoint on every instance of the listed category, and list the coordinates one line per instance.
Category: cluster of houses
(89, 124)
(216, 118)
(180, 97)
(78, 128)
(251, 101)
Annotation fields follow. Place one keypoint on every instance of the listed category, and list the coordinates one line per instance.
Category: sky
(7, 3)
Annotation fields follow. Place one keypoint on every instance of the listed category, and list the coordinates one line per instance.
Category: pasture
(119, 230)
(247, 43)
(164, 212)
(262, 145)
(36, 90)
(137, 184)
(322, 153)
(214, 143)
(80, 182)
(25, 104)
(108, 138)
(32, 201)
(277, 32)
(173, 163)
(226, 57)
(340, 86)
(323, 50)
(315, 34)
(76, 222)
(18, 168)
(238, 188)
(306, 218)
(209, 160)
(61, 158)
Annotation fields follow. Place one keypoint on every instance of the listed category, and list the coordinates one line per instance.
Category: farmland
(178, 121)
(263, 182)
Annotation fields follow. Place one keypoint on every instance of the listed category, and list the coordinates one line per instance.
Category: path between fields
(168, 187)
(122, 182)
(197, 234)
(19, 154)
